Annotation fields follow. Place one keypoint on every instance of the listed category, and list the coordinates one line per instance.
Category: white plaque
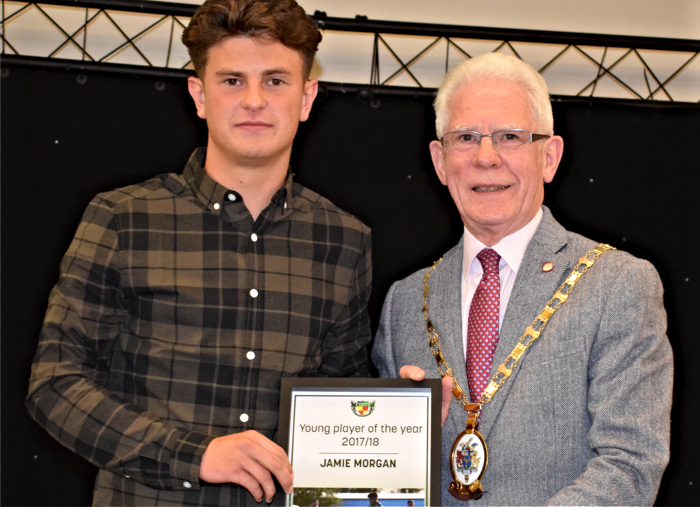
(362, 434)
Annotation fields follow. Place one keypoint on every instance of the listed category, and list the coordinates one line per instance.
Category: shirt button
(253, 293)
(217, 205)
(187, 484)
(231, 197)
(244, 417)
(250, 355)
(254, 237)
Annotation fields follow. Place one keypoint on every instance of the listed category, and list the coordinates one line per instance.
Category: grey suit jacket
(584, 418)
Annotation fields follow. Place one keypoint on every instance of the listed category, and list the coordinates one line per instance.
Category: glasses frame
(533, 137)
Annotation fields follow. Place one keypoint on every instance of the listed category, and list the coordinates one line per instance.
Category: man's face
(253, 96)
(496, 193)
(373, 499)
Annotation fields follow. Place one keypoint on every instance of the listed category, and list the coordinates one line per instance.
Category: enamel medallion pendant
(468, 460)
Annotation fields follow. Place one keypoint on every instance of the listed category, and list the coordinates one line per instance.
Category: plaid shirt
(175, 317)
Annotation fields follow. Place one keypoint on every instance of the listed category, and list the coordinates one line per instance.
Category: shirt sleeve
(344, 349)
(67, 389)
(630, 377)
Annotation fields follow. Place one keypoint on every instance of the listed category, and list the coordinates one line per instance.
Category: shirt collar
(212, 194)
(511, 248)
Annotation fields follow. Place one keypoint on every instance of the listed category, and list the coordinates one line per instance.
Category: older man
(579, 413)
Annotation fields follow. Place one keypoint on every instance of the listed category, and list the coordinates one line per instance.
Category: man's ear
(196, 88)
(438, 156)
(310, 92)
(553, 151)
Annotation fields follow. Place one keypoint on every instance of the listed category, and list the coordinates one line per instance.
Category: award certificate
(348, 437)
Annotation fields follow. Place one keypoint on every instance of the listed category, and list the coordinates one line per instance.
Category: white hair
(496, 66)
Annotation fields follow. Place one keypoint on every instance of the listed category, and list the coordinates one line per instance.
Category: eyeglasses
(503, 140)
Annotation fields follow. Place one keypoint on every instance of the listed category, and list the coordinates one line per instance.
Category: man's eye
(232, 81)
(514, 136)
(466, 138)
(276, 81)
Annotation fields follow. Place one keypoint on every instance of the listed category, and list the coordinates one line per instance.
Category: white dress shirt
(512, 250)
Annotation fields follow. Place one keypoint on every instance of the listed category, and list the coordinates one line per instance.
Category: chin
(492, 217)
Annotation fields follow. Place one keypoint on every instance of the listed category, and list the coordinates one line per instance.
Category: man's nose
(486, 154)
(254, 97)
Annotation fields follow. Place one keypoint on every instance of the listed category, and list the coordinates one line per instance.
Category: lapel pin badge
(547, 267)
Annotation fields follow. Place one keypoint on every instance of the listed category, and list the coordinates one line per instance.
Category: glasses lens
(461, 141)
(511, 140)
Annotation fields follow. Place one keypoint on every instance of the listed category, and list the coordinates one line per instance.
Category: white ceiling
(650, 18)
(346, 57)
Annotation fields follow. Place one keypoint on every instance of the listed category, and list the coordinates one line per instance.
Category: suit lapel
(532, 290)
(446, 310)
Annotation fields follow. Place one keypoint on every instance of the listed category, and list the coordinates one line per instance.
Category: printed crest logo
(362, 408)
(467, 458)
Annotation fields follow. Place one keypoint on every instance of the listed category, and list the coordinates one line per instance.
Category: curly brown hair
(284, 21)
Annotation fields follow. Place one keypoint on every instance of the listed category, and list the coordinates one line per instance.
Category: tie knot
(489, 260)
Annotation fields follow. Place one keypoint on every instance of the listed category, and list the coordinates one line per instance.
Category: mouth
(490, 189)
(253, 124)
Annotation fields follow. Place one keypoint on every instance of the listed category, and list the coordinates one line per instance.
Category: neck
(491, 235)
(488, 237)
(256, 182)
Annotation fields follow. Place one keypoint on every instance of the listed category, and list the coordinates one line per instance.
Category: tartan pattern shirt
(175, 317)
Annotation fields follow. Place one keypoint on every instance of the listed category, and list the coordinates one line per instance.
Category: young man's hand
(250, 460)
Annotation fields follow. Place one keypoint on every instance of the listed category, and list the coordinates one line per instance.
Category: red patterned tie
(482, 331)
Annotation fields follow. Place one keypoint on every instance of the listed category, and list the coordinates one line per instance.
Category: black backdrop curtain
(629, 177)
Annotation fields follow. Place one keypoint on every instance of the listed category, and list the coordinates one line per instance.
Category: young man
(584, 417)
(183, 300)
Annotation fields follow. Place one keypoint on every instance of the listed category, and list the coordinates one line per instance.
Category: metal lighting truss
(142, 37)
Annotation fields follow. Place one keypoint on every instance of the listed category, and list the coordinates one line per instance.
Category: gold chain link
(532, 332)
